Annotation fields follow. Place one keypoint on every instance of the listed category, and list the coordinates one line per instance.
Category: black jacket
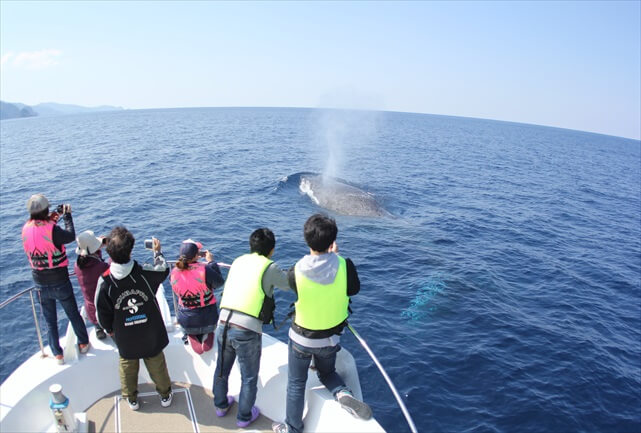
(129, 309)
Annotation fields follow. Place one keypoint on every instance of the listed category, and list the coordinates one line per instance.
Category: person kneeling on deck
(323, 281)
(126, 308)
(194, 284)
(247, 303)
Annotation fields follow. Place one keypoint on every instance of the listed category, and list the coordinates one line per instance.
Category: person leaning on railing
(323, 282)
(44, 243)
(194, 284)
(246, 305)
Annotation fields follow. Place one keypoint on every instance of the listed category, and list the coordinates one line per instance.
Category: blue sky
(572, 64)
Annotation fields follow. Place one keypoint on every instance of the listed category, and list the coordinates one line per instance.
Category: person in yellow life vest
(44, 243)
(323, 282)
(247, 303)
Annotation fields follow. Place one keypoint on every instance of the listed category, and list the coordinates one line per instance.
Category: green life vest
(244, 285)
(322, 306)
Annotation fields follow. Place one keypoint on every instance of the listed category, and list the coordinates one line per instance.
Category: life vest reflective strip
(191, 286)
(244, 285)
(322, 306)
(37, 241)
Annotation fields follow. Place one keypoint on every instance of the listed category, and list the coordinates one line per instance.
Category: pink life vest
(190, 286)
(37, 241)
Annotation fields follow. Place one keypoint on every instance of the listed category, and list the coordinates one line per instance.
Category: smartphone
(149, 244)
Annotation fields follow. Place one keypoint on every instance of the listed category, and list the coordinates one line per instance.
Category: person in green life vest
(247, 303)
(323, 282)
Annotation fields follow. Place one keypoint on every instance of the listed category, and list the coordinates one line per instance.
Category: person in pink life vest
(44, 243)
(194, 282)
(88, 268)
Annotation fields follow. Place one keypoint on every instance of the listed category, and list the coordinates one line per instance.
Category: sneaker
(133, 404)
(255, 415)
(223, 411)
(357, 408)
(166, 401)
(101, 334)
(279, 427)
(60, 359)
(84, 348)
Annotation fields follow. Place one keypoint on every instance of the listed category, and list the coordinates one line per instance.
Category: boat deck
(191, 410)
(92, 384)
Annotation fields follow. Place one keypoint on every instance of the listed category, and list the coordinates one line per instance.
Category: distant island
(12, 110)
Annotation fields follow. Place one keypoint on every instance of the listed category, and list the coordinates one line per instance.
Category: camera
(202, 253)
(149, 244)
(60, 208)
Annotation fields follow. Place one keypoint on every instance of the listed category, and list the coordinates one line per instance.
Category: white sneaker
(357, 408)
(166, 401)
(133, 404)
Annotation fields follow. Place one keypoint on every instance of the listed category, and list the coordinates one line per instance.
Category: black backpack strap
(224, 343)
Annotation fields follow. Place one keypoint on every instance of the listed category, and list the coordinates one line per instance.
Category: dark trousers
(63, 293)
(157, 368)
(299, 358)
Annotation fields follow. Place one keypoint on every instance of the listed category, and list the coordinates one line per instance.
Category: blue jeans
(63, 293)
(246, 345)
(299, 358)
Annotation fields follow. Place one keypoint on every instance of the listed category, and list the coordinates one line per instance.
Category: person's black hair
(121, 243)
(320, 232)
(42, 215)
(83, 261)
(262, 241)
(183, 262)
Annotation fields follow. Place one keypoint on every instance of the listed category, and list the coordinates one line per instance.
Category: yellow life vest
(244, 285)
(322, 306)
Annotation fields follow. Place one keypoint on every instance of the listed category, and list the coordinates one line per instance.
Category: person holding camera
(127, 309)
(44, 243)
(323, 282)
(194, 284)
(246, 304)
(88, 268)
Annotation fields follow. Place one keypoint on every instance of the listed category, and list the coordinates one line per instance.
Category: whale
(339, 196)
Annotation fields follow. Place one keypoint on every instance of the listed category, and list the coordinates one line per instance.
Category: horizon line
(334, 108)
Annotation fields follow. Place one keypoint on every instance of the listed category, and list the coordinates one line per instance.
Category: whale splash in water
(337, 195)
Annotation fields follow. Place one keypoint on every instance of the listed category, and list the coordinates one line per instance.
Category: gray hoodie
(321, 269)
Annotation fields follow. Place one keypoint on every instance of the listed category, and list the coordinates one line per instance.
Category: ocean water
(502, 294)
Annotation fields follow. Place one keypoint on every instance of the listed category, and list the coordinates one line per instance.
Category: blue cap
(189, 248)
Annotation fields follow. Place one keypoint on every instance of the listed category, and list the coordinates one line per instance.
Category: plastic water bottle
(63, 414)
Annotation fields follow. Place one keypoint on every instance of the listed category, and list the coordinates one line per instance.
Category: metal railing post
(35, 319)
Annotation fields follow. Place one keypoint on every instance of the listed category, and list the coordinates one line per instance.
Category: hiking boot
(254, 416)
(84, 348)
(60, 359)
(279, 427)
(166, 401)
(357, 408)
(133, 404)
(101, 334)
(223, 411)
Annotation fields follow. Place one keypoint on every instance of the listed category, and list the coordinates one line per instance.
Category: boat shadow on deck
(192, 410)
